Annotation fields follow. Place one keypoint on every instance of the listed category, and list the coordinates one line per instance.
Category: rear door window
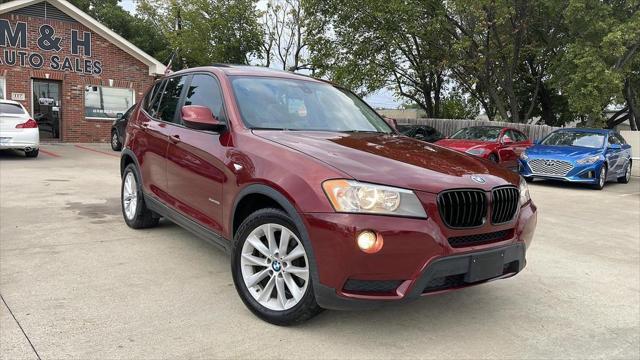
(170, 98)
(205, 91)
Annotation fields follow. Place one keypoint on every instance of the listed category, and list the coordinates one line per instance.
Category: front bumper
(586, 174)
(443, 274)
(416, 256)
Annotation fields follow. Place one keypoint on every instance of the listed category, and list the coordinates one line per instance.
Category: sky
(381, 99)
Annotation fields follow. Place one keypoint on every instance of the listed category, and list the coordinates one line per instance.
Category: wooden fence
(450, 126)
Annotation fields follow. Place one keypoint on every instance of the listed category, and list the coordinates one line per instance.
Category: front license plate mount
(485, 266)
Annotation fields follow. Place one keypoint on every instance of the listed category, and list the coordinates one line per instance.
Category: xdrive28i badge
(478, 179)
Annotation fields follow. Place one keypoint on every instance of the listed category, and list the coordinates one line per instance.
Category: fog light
(370, 242)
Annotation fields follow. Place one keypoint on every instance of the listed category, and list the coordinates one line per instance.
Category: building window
(101, 102)
(3, 94)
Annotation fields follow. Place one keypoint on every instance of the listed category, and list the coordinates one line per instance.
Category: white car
(17, 129)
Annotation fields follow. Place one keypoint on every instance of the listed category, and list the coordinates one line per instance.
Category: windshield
(478, 133)
(285, 104)
(6, 108)
(574, 138)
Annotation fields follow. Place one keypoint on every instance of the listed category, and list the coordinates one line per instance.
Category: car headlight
(588, 160)
(476, 152)
(524, 191)
(351, 196)
(524, 156)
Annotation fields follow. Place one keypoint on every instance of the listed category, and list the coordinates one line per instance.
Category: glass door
(46, 107)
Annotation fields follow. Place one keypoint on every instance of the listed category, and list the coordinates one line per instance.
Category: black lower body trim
(197, 229)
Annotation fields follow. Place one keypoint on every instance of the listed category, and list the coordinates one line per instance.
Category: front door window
(46, 108)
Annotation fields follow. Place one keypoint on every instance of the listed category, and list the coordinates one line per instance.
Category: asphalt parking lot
(76, 282)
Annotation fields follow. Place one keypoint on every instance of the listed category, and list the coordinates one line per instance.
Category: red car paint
(506, 149)
(185, 168)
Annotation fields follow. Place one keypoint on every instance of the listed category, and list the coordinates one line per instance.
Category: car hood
(463, 145)
(394, 160)
(561, 152)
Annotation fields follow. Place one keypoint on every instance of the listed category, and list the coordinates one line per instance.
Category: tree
(205, 32)
(599, 65)
(501, 52)
(368, 45)
(284, 24)
(138, 31)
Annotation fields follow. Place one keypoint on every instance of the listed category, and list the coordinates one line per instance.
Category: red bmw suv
(320, 203)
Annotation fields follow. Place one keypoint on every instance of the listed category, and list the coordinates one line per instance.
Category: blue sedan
(589, 156)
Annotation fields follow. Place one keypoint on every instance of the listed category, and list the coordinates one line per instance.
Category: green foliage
(457, 106)
(601, 54)
(518, 59)
(206, 32)
(557, 60)
(367, 45)
(138, 31)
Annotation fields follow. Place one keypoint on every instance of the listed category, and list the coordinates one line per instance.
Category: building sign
(18, 96)
(51, 46)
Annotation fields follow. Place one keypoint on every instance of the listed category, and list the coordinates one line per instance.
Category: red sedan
(498, 144)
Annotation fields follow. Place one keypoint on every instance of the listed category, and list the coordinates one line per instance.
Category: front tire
(602, 178)
(624, 179)
(271, 269)
(134, 210)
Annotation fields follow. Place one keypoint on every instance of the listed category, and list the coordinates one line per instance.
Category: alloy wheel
(603, 176)
(130, 195)
(275, 267)
(114, 140)
(627, 174)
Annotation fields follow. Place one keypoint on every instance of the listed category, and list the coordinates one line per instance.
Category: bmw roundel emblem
(276, 266)
(478, 179)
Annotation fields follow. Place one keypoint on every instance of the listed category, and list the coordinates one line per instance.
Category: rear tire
(134, 210)
(271, 269)
(116, 145)
(624, 179)
(32, 153)
(493, 158)
(602, 178)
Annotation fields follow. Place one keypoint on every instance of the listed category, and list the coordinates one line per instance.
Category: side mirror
(615, 146)
(119, 116)
(537, 142)
(200, 118)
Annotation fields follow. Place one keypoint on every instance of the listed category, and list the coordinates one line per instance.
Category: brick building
(73, 74)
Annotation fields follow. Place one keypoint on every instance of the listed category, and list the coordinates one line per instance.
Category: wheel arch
(268, 192)
(128, 157)
(268, 196)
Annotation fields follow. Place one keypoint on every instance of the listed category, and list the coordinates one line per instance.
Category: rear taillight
(30, 124)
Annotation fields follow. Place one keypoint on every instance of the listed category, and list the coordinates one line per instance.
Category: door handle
(174, 138)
